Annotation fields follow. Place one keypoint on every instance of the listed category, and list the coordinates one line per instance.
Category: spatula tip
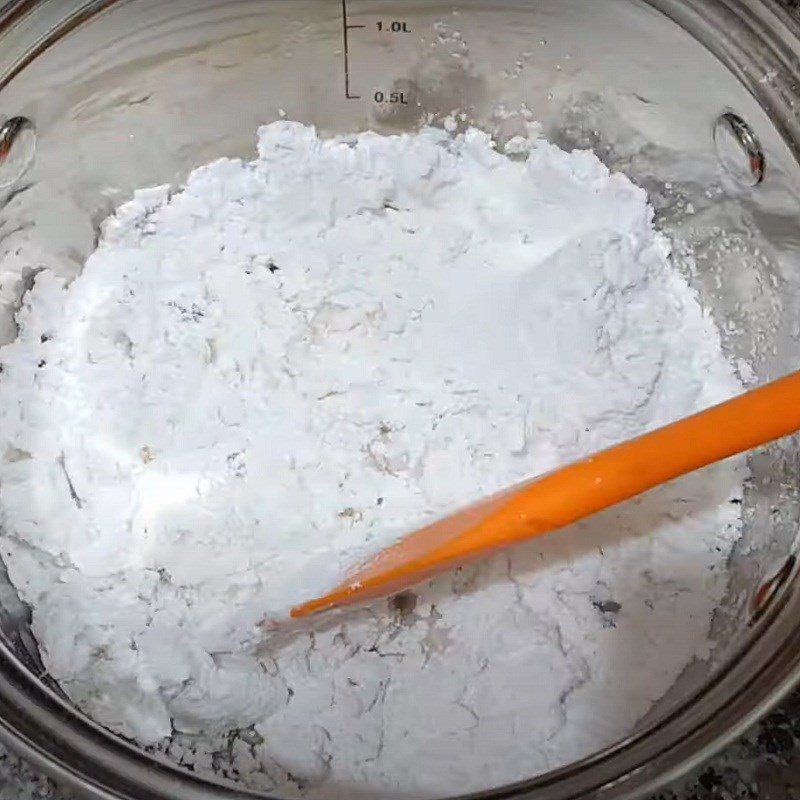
(324, 603)
(309, 609)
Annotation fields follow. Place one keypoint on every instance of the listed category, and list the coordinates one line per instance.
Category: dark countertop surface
(763, 764)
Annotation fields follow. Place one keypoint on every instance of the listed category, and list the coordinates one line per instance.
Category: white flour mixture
(260, 379)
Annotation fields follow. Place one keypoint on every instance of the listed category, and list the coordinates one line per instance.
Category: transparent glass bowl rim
(751, 38)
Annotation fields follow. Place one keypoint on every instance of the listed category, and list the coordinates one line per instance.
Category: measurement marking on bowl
(389, 27)
(346, 28)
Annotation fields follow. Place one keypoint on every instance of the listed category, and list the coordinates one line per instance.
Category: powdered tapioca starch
(265, 377)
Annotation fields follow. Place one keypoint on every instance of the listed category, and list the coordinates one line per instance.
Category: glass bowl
(695, 100)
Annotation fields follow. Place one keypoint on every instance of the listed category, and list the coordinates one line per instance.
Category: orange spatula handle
(576, 491)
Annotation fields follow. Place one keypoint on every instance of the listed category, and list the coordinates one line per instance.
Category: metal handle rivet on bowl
(770, 589)
(17, 149)
(739, 149)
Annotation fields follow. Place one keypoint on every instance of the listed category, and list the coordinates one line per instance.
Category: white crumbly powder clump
(261, 379)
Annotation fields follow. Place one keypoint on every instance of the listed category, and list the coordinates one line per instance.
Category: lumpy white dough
(262, 378)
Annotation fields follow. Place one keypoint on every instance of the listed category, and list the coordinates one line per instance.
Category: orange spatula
(573, 492)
